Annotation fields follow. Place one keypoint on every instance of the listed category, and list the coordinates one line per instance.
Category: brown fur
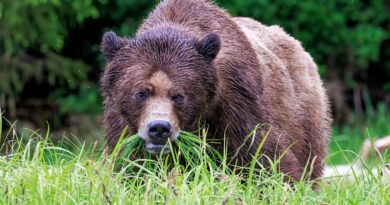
(261, 75)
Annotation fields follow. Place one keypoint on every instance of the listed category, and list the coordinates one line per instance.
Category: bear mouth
(156, 149)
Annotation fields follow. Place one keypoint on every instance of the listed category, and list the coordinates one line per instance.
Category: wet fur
(261, 75)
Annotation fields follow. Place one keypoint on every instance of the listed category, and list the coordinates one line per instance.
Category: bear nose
(159, 131)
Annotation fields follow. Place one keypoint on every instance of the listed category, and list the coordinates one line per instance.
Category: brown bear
(191, 62)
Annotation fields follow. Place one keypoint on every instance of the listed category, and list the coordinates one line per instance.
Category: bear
(191, 63)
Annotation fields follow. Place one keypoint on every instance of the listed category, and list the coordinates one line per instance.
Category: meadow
(49, 69)
(38, 171)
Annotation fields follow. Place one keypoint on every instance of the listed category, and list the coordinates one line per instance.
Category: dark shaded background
(50, 61)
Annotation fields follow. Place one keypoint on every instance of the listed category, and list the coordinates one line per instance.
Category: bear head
(160, 82)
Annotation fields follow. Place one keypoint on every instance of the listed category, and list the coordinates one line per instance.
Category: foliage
(42, 173)
(187, 152)
(32, 34)
(80, 102)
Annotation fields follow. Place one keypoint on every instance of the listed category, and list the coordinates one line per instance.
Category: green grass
(34, 170)
(347, 140)
(39, 172)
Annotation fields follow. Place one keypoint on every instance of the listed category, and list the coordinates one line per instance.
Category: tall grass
(347, 140)
(39, 172)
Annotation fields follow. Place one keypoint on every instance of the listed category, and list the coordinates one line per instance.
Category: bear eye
(143, 95)
(178, 98)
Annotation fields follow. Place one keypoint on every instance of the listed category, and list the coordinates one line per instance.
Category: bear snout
(159, 131)
(157, 124)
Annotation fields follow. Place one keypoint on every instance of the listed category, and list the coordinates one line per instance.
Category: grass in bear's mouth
(39, 172)
(188, 151)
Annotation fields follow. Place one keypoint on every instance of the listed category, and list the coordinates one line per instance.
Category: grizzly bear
(191, 62)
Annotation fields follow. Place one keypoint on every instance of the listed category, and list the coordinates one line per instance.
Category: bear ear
(209, 46)
(111, 43)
